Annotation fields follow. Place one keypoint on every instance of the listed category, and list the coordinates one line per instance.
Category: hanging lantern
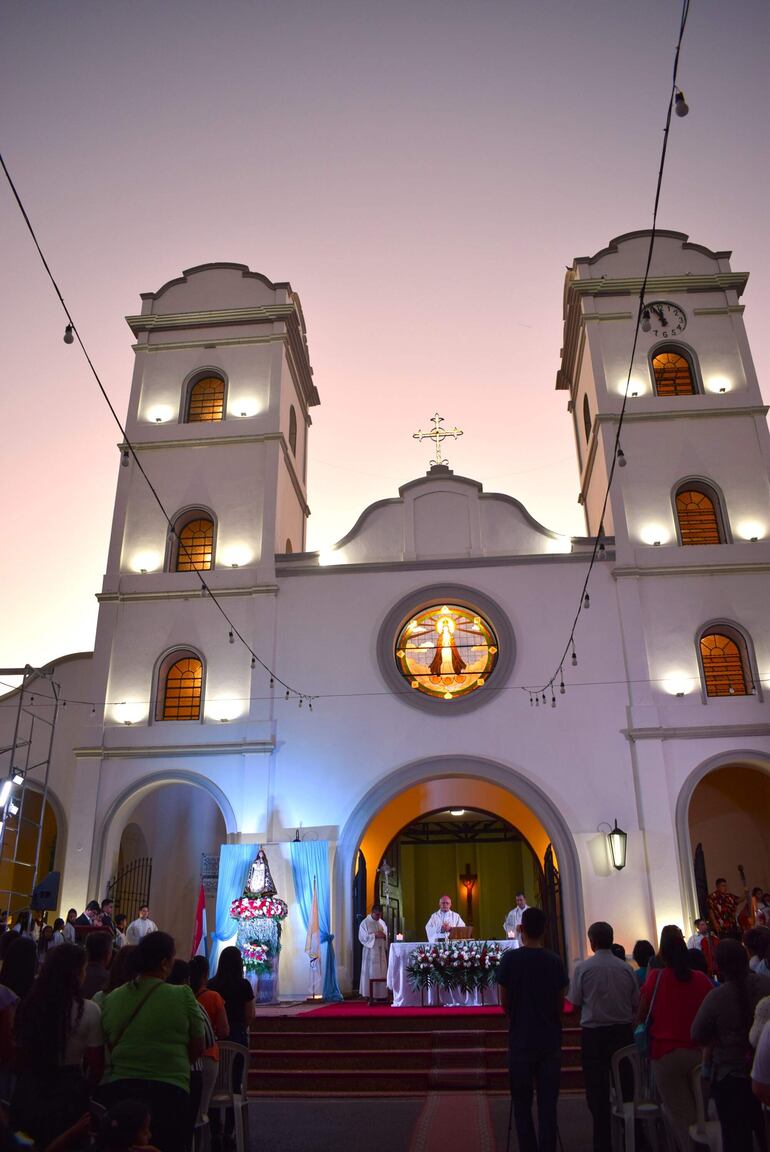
(618, 842)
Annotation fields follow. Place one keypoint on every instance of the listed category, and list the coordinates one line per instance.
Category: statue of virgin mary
(260, 882)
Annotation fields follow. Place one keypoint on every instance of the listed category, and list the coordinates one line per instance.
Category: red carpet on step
(361, 1008)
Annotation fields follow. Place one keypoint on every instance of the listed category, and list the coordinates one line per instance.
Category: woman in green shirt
(152, 1032)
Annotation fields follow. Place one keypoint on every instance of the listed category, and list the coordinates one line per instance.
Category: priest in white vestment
(441, 922)
(512, 922)
(373, 934)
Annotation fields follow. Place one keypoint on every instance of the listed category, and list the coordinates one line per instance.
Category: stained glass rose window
(446, 651)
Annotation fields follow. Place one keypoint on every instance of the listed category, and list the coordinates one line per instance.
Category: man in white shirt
(440, 923)
(373, 934)
(141, 927)
(512, 922)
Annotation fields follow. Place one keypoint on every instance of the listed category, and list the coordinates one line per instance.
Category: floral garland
(259, 908)
(467, 964)
(256, 958)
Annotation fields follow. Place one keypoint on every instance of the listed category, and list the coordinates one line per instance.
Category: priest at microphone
(441, 922)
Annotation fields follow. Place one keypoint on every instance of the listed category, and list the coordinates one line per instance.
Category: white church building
(416, 633)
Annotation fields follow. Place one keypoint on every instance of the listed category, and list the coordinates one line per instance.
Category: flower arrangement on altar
(257, 958)
(464, 964)
(259, 908)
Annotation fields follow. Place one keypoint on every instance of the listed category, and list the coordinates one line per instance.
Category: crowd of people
(702, 1003)
(108, 1041)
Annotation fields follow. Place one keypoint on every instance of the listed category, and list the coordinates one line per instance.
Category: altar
(405, 996)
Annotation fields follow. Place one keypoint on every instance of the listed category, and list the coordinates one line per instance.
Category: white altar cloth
(405, 996)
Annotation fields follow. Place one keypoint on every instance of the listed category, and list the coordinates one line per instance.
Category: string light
(231, 636)
(68, 337)
(562, 689)
(128, 449)
(676, 99)
(253, 666)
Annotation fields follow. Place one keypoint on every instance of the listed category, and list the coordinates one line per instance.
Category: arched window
(293, 431)
(206, 400)
(698, 515)
(180, 687)
(673, 372)
(587, 418)
(193, 543)
(725, 662)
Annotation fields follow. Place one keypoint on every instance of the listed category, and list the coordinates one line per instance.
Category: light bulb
(621, 458)
(646, 323)
(680, 104)
(68, 337)
(586, 601)
(125, 457)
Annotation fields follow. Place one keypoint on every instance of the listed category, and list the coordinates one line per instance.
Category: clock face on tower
(663, 319)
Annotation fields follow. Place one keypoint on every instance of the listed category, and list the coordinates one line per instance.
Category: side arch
(108, 838)
(748, 758)
(469, 768)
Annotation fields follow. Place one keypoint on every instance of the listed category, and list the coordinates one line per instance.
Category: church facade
(410, 648)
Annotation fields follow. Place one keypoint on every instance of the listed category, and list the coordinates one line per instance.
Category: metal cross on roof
(438, 434)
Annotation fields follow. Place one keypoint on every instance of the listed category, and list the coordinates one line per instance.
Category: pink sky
(421, 173)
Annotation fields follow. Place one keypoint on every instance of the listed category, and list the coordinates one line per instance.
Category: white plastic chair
(640, 1109)
(226, 1095)
(704, 1133)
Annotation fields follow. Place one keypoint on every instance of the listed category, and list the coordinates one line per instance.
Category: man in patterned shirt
(723, 911)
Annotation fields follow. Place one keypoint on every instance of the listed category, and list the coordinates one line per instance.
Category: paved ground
(381, 1125)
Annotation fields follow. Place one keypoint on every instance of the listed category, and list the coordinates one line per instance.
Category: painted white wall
(618, 746)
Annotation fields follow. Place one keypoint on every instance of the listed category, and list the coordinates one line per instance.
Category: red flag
(199, 932)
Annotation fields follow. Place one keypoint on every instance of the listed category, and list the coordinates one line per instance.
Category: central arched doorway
(437, 785)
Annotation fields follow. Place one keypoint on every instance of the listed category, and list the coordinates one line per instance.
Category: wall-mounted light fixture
(618, 842)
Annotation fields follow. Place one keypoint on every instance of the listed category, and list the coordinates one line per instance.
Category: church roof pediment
(443, 517)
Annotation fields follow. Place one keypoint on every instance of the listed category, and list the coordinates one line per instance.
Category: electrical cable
(616, 447)
(128, 446)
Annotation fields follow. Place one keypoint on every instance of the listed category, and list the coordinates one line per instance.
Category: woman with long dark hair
(237, 994)
(678, 993)
(58, 1034)
(723, 1023)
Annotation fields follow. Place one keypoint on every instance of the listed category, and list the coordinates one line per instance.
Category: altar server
(373, 934)
(440, 923)
(512, 922)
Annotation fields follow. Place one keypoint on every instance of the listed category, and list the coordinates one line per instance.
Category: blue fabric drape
(234, 863)
(310, 858)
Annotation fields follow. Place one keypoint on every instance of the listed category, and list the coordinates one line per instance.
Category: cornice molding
(175, 345)
(291, 567)
(684, 413)
(697, 732)
(156, 752)
(691, 569)
(261, 314)
(190, 594)
(695, 282)
(593, 317)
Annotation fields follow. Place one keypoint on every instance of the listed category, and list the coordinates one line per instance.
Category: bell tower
(218, 417)
(694, 420)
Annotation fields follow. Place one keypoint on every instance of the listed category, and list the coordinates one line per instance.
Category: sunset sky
(422, 172)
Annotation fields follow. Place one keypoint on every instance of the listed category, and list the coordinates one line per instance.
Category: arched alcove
(179, 816)
(723, 806)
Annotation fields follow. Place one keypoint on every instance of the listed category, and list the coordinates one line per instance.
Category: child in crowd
(124, 1127)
